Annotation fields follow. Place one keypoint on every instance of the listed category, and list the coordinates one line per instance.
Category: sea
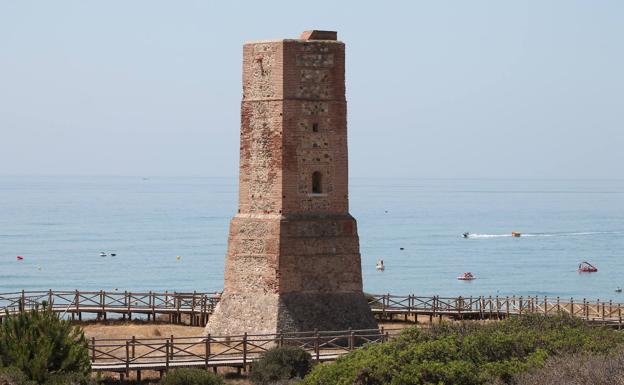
(170, 233)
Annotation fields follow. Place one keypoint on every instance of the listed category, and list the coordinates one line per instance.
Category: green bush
(13, 376)
(69, 379)
(40, 344)
(280, 365)
(466, 353)
(186, 376)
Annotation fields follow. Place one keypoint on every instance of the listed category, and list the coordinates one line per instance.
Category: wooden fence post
(133, 347)
(317, 345)
(92, 349)
(193, 309)
(207, 349)
(127, 357)
(245, 350)
(498, 308)
(152, 300)
(171, 345)
(167, 348)
(351, 335)
(22, 304)
(77, 300)
(610, 308)
(383, 306)
(130, 296)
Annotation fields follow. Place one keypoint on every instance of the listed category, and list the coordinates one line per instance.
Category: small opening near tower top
(314, 127)
(317, 182)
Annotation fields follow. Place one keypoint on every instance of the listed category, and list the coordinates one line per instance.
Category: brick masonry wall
(291, 249)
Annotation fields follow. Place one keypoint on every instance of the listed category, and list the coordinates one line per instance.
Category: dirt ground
(138, 329)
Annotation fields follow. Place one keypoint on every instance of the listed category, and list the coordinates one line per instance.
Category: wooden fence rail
(387, 306)
(195, 308)
(136, 354)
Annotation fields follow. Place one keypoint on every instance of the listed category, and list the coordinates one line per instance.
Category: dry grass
(579, 369)
(127, 329)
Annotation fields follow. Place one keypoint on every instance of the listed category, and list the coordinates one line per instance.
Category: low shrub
(69, 379)
(577, 369)
(186, 376)
(281, 364)
(466, 353)
(40, 344)
(13, 376)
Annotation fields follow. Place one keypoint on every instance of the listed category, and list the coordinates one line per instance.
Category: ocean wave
(488, 235)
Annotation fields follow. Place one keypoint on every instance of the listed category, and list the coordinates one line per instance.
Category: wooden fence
(136, 354)
(161, 354)
(386, 306)
(195, 308)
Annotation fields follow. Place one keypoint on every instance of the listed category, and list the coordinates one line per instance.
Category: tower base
(274, 313)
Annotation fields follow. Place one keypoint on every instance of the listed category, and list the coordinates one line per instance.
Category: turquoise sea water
(61, 224)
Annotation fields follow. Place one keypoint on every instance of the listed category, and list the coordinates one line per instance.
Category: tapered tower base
(295, 312)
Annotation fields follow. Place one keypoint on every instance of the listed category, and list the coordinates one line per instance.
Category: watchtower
(293, 260)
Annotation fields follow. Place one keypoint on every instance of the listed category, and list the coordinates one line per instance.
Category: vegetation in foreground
(467, 353)
(577, 369)
(281, 365)
(38, 347)
(188, 376)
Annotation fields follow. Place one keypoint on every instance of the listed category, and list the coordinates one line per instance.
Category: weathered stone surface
(293, 260)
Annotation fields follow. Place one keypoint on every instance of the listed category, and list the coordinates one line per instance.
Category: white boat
(380, 265)
(102, 254)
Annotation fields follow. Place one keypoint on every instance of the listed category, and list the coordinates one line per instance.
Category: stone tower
(293, 260)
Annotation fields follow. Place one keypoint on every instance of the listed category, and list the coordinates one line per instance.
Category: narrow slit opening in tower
(317, 182)
(314, 127)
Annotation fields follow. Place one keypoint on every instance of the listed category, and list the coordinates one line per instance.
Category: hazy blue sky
(529, 89)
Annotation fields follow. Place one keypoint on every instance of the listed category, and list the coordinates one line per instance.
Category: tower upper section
(294, 128)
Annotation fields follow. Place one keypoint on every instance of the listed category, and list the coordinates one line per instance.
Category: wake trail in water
(581, 233)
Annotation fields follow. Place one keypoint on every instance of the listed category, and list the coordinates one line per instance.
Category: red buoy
(20, 258)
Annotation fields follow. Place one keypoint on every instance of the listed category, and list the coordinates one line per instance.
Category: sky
(435, 89)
